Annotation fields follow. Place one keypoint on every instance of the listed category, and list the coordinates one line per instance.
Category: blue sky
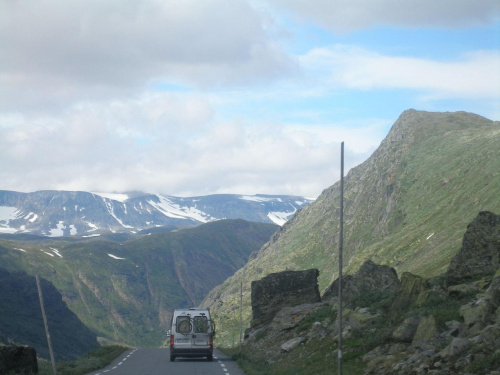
(227, 96)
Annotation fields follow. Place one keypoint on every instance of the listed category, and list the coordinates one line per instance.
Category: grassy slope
(131, 299)
(432, 175)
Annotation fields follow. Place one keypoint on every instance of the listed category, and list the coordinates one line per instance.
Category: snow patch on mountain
(113, 196)
(171, 209)
(6, 215)
(279, 218)
(258, 198)
(55, 251)
(115, 257)
(111, 210)
(58, 231)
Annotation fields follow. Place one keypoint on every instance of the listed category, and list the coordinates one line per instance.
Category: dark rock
(426, 330)
(292, 344)
(366, 286)
(18, 360)
(406, 331)
(282, 289)
(290, 317)
(480, 252)
(411, 287)
(457, 346)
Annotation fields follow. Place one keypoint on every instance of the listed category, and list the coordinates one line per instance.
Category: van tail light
(211, 340)
(171, 340)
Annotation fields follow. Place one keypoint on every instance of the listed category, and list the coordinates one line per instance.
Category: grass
(92, 361)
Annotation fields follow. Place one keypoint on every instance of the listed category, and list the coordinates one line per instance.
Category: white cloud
(59, 52)
(349, 15)
(144, 145)
(475, 75)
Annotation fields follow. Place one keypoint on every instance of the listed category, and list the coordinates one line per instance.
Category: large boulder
(410, 293)
(480, 251)
(405, 332)
(18, 360)
(369, 283)
(426, 330)
(283, 289)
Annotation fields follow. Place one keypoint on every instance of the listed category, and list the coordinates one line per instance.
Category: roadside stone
(461, 290)
(476, 312)
(406, 331)
(371, 278)
(290, 317)
(292, 344)
(410, 288)
(359, 318)
(426, 330)
(18, 360)
(282, 289)
(457, 346)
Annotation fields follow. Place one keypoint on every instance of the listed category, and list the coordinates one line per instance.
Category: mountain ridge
(56, 213)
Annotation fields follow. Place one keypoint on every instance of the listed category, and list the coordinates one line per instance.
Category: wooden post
(40, 296)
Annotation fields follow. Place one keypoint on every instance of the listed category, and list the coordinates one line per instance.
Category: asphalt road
(153, 361)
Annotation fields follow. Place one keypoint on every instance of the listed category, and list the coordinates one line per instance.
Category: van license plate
(181, 341)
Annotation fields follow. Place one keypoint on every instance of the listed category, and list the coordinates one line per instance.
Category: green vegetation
(92, 361)
(130, 299)
(319, 315)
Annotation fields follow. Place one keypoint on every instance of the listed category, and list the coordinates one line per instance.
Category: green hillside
(126, 291)
(407, 206)
(21, 319)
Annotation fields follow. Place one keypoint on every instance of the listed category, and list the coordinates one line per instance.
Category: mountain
(407, 207)
(21, 319)
(127, 290)
(64, 213)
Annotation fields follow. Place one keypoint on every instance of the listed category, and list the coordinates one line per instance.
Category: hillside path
(155, 361)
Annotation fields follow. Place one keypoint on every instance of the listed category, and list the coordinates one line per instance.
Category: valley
(406, 207)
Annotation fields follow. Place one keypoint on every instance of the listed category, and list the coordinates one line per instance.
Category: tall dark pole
(341, 247)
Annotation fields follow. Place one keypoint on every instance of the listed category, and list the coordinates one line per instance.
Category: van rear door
(183, 328)
(201, 334)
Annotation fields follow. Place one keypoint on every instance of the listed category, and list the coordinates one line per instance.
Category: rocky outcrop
(18, 360)
(412, 290)
(371, 281)
(480, 252)
(422, 326)
(283, 289)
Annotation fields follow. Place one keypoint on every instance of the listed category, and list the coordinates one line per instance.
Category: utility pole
(241, 313)
(40, 296)
(341, 246)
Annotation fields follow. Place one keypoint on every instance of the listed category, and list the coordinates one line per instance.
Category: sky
(198, 97)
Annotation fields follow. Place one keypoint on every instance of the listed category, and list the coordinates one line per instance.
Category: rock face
(412, 288)
(18, 360)
(480, 252)
(282, 289)
(371, 280)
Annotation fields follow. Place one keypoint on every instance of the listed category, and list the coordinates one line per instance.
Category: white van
(192, 334)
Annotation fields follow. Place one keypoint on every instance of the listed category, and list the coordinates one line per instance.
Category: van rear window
(200, 324)
(183, 324)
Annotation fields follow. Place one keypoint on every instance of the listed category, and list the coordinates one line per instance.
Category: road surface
(154, 361)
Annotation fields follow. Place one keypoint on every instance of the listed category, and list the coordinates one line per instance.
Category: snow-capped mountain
(58, 213)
